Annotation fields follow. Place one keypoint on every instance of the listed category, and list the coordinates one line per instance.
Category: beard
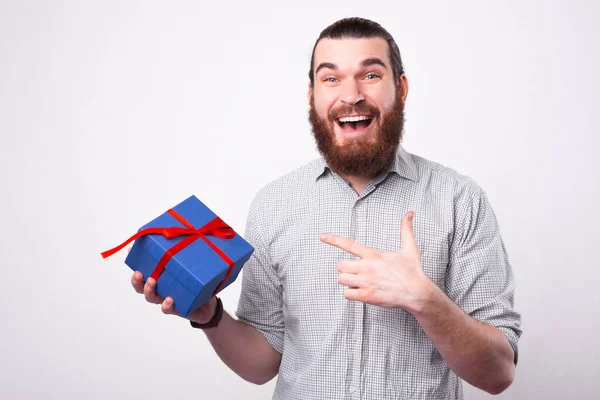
(359, 156)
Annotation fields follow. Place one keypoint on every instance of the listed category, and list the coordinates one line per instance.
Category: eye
(372, 76)
(330, 79)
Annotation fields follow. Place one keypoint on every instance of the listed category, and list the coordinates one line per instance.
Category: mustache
(363, 108)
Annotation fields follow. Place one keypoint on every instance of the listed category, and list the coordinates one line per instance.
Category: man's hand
(148, 289)
(388, 279)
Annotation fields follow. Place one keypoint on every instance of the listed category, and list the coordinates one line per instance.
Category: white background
(111, 112)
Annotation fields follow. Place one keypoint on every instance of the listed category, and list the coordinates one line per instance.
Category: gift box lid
(197, 264)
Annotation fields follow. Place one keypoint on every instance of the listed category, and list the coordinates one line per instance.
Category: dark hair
(356, 28)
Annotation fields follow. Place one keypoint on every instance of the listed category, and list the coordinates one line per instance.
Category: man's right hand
(148, 289)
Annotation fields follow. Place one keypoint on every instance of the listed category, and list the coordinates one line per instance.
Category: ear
(309, 92)
(403, 86)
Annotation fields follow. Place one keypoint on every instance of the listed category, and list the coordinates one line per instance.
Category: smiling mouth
(354, 123)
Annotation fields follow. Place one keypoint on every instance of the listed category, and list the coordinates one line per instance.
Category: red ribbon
(216, 227)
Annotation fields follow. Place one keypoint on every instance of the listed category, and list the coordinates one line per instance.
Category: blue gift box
(193, 274)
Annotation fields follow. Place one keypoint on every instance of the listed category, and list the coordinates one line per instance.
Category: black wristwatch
(214, 321)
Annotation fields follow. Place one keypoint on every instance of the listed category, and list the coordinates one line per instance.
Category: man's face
(356, 109)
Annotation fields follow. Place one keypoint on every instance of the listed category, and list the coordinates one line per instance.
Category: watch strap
(214, 321)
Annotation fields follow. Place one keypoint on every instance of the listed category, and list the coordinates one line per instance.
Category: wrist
(215, 318)
(426, 299)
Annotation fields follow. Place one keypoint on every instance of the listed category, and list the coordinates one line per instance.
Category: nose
(351, 93)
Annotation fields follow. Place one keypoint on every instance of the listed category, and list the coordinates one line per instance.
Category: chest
(307, 266)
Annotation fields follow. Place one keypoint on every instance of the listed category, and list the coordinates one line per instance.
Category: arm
(241, 347)
(480, 288)
(252, 345)
(244, 349)
(477, 352)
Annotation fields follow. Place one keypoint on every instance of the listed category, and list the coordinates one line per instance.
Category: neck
(357, 183)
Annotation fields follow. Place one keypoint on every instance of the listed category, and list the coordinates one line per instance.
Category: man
(376, 274)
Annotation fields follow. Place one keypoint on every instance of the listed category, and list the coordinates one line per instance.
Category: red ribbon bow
(216, 227)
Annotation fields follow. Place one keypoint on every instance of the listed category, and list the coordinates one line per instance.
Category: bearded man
(376, 274)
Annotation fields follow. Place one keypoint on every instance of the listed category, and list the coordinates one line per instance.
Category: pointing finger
(349, 245)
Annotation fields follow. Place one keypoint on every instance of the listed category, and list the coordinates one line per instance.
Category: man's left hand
(388, 279)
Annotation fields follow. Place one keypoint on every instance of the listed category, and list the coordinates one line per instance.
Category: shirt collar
(402, 164)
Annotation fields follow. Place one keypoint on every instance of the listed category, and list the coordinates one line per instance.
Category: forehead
(348, 53)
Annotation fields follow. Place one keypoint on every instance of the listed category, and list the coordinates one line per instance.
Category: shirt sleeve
(261, 300)
(480, 279)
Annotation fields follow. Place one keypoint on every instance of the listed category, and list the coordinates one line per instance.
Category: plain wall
(113, 111)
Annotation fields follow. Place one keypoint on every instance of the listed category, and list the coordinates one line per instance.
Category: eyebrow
(327, 65)
(365, 63)
(373, 61)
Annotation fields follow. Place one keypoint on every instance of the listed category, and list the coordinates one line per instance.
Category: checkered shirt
(333, 348)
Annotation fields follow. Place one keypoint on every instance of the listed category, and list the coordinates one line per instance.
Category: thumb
(409, 244)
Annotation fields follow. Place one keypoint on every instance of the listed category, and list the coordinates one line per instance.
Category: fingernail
(323, 237)
(411, 216)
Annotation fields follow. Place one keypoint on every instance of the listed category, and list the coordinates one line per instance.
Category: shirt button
(352, 389)
(355, 338)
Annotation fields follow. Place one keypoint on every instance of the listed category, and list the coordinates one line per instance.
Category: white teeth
(354, 118)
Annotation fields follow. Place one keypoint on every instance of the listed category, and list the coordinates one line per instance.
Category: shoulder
(459, 194)
(281, 193)
(437, 177)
